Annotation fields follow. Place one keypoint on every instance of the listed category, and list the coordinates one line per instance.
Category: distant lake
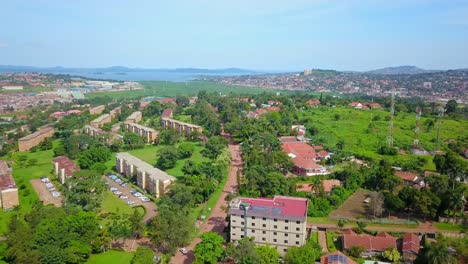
(150, 75)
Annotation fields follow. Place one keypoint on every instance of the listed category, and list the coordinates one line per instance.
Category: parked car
(113, 189)
(113, 177)
(130, 202)
(117, 192)
(138, 194)
(119, 181)
(55, 194)
(144, 199)
(183, 251)
(123, 197)
(45, 179)
(124, 184)
(52, 189)
(133, 191)
(50, 185)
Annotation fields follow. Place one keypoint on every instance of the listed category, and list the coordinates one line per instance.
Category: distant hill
(401, 70)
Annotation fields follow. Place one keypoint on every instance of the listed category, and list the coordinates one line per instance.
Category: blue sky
(254, 34)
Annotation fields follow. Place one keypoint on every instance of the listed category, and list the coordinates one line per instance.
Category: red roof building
(407, 176)
(356, 105)
(273, 108)
(168, 100)
(8, 190)
(64, 168)
(57, 115)
(73, 112)
(410, 247)
(373, 245)
(313, 102)
(167, 113)
(304, 157)
(336, 258)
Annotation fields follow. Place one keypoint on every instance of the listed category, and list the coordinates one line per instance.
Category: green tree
(392, 254)
(133, 141)
(168, 157)
(214, 147)
(355, 251)
(210, 249)
(93, 155)
(438, 253)
(308, 253)
(168, 137)
(267, 254)
(185, 150)
(84, 190)
(244, 252)
(143, 255)
(451, 106)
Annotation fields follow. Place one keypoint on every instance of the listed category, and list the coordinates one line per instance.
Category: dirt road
(216, 221)
(44, 194)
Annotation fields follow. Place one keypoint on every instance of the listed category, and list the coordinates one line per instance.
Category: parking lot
(46, 192)
(130, 196)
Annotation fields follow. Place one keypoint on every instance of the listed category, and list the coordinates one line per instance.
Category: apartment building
(8, 190)
(116, 111)
(64, 168)
(181, 127)
(152, 179)
(97, 110)
(280, 221)
(135, 117)
(101, 121)
(29, 141)
(148, 134)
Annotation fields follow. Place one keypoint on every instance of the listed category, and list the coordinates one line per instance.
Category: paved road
(216, 221)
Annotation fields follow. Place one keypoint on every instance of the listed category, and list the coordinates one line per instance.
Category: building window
(297, 222)
(297, 236)
(275, 219)
(284, 250)
(274, 233)
(242, 223)
(253, 231)
(274, 240)
(242, 229)
(242, 216)
(263, 239)
(286, 221)
(264, 225)
(264, 232)
(233, 220)
(253, 224)
(286, 235)
(275, 226)
(297, 229)
(253, 217)
(264, 219)
(286, 228)
(285, 241)
(242, 236)
(297, 242)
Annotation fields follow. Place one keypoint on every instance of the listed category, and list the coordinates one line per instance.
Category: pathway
(322, 238)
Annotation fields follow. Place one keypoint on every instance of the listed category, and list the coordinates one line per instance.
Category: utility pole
(390, 126)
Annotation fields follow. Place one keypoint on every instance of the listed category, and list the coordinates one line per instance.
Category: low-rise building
(148, 134)
(152, 179)
(116, 111)
(336, 257)
(373, 245)
(97, 110)
(64, 168)
(410, 247)
(179, 126)
(327, 185)
(32, 140)
(135, 117)
(168, 113)
(8, 190)
(305, 158)
(101, 121)
(280, 221)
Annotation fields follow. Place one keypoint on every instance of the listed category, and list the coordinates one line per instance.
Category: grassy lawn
(191, 88)
(27, 195)
(314, 237)
(111, 256)
(149, 154)
(352, 127)
(451, 227)
(330, 241)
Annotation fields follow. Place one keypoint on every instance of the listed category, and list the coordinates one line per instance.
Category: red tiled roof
(67, 164)
(167, 113)
(71, 112)
(406, 175)
(289, 206)
(336, 258)
(273, 108)
(299, 149)
(313, 102)
(371, 243)
(410, 243)
(305, 163)
(6, 180)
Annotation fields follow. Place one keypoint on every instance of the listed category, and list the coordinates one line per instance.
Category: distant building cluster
(8, 190)
(149, 178)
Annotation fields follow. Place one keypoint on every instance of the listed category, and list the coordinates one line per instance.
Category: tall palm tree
(316, 186)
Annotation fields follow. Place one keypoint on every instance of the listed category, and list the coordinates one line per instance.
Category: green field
(149, 154)
(352, 128)
(191, 88)
(111, 257)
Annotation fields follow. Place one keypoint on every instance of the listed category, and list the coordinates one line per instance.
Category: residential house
(101, 121)
(168, 113)
(356, 105)
(328, 186)
(313, 102)
(148, 134)
(305, 159)
(408, 177)
(135, 117)
(373, 245)
(97, 110)
(410, 247)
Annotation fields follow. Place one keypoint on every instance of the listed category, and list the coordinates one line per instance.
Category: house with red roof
(375, 106)
(58, 115)
(373, 245)
(167, 113)
(410, 247)
(168, 100)
(408, 177)
(273, 108)
(73, 112)
(356, 105)
(336, 257)
(64, 168)
(313, 102)
(304, 158)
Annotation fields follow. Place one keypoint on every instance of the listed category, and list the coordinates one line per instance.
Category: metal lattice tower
(439, 124)
(416, 130)
(390, 126)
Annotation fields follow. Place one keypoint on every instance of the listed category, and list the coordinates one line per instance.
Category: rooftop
(99, 119)
(271, 207)
(380, 242)
(411, 243)
(336, 258)
(180, 122)
(149, 129)
(6, 180)
(134, 115)
(37, 133)
(143, 166)
(66, 164)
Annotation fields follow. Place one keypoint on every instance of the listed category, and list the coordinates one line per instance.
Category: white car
(138, 194)
(130, 202)
(144, 199)
(183, 251)
(123, 197)
(113, 189)
(55, 194)
(117, 192)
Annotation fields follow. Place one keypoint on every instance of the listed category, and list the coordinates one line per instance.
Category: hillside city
(331, 176)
